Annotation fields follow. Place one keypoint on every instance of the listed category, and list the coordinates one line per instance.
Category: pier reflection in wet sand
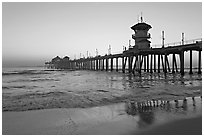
(139, 117)
(149, 111)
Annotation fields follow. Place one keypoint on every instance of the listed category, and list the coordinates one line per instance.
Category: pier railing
(177, 43)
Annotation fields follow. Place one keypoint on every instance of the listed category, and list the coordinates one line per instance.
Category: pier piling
(154, 62)
(199, 62)
(111, 64)
(107, 64)
(162, 63)
(158, 63)
(117, 64)
(151, 65)
(147, 63)
(123, 65)
(190, 72)
(130, 64)
(165, 63)
(182, 62)
(173, 60)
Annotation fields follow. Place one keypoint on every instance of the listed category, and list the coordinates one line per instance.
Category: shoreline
(120, 118)
(59, 104)
(82, 89)
(52, 100)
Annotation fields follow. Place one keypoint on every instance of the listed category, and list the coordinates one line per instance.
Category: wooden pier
(141, 57)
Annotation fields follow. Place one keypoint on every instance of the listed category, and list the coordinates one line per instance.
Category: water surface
(38, 88)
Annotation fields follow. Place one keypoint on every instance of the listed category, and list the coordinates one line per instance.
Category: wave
(25, 72)
(34, 80)
(19, 87)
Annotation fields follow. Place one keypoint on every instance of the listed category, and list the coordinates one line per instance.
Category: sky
(33, 33)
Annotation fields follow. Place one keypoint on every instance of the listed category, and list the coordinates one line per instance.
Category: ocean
(32, 88)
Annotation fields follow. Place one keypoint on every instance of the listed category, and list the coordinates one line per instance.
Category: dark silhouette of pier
(138, 58)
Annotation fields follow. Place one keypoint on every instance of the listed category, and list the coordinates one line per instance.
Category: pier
(142, 57)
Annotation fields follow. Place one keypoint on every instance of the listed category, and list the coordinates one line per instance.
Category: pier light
(141, 36)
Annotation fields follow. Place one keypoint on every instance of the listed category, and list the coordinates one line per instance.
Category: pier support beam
(123, 64)
(173, 60)
(165, 63)
(147, 63)
(154, 62)
(79, 64)
(138, 63)
(199, 62)
(117, 64)
(158, 63)
(102, 64)
(135, 64)
(141, 61)
(71, 65)
(91, 64)
(162, 63)
(106, 64)
(175, 63)
(182, 62)
(83, 65)
(144, 63)
(130, 64)
(111, 64)
(99, 64)
(96, 64)
(86, 64)
(190, 72)
(151, 64)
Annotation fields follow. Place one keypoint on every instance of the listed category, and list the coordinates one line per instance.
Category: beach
(45, 102)
(117, 119)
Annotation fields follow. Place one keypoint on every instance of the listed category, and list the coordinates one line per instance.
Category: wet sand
(190, 126)
(180, 117)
